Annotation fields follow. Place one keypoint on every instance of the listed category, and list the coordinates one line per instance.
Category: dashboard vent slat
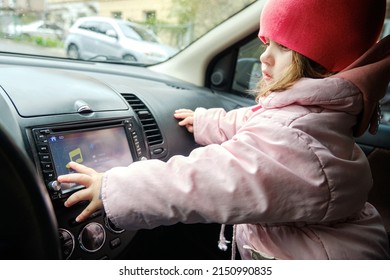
(149, 124)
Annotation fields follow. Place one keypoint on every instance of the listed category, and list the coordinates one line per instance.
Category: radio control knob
(92, 237)
(54, 186)
(67, 243)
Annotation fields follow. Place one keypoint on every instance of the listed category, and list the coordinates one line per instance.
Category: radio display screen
(98, 149)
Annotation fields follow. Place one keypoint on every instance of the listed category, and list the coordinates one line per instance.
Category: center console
(99, 145)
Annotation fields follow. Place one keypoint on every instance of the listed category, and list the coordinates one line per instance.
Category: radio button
(45, 157)
(47, 166)
(43, 148)
(56, 195)
(41, 138)
(116, 242)
(48, 175)
(44, 131)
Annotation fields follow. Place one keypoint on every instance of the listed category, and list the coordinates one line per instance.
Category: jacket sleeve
(261, 175)
(215, 126)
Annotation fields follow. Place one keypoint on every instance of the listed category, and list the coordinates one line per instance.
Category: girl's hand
(89, 178)
(187, 117)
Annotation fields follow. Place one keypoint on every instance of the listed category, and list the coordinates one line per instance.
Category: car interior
(51, 106)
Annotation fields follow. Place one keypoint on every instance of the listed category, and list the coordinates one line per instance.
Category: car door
(106, 43)
(86, 34)
(377, 149)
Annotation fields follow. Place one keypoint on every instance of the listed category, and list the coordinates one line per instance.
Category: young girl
(286, 171)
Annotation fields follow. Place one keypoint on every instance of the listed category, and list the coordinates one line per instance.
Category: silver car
(103, 38)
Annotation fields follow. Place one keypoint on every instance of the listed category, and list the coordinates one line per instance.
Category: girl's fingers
(89, 178)
(82, 177)
(182, 116)
(78, 196)
(190, 128)
(187, 121)
(78, 178)
(183, 113)
(90, 209)
(81, 168)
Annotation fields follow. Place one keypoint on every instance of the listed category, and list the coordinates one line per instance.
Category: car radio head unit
(100, 146)
(99, 149)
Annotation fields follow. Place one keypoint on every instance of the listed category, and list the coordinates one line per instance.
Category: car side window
(248, 71)
(89, 25)
(85, 26)
(129, 32)
(248, 67)
(104, 27)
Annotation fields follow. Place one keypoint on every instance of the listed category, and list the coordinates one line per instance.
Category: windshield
(138, 32)
(57, 28)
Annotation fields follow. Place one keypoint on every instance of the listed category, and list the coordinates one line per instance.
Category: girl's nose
(266, 57)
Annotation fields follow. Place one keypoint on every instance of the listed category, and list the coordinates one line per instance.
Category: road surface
(8, 45)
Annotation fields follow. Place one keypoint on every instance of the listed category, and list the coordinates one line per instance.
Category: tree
(201, 13)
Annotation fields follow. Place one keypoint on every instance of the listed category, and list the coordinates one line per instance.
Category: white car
(42, 29)
(102, 38)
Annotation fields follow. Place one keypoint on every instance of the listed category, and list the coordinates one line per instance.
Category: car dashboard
(99, 115)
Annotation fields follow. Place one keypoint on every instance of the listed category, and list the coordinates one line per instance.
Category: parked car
(41, 29)
(114, 39)
(51, 105)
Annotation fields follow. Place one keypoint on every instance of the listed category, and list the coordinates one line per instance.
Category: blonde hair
(300, 67)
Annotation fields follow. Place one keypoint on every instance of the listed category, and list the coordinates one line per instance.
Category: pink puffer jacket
(288, 172)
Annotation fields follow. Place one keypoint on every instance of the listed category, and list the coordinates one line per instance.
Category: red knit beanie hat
(333, 33)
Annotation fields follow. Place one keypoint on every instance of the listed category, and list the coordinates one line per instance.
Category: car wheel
(129, 58)
(73, 52)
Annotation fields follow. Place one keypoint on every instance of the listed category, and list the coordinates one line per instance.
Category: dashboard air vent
(149, 124)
